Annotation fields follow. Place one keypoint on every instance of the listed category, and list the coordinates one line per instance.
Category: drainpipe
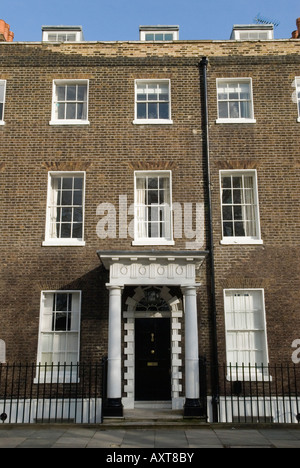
(215, 373)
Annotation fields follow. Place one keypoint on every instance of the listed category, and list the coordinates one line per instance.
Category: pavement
(184, 439)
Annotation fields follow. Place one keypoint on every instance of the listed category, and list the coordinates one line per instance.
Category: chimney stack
(296, 33)
(5, 34)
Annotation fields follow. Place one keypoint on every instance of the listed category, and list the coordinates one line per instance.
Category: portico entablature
(152, 267)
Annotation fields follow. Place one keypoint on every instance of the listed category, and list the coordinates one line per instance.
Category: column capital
(190, 288)
(112, 287)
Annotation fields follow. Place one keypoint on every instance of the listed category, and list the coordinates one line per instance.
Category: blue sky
(110, 20)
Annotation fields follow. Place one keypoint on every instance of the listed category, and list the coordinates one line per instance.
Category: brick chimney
(296, 33)
(5, 34)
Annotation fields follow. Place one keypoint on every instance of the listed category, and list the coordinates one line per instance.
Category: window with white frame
(235, 101)
(70, 102)
(240, 210)
(2, 100)
(152, 101)
(246, 337)
(252, 32)
(153, 198)
(65, 209)
(159, 36)
(62, 33)
(298, 96)
(59, 335)
(61, 37)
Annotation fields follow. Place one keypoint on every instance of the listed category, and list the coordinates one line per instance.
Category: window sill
(298, 120)
(241, 241)
(153, 242)
(63, 243)
(236, 121)
(2, 122)
(69, 122)
(152, 122)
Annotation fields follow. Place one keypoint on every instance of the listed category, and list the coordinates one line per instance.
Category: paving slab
(171, 439)
(36, 443)
(203, 438)
(11, 442)
(295, 434)
(242, 437)
(107, 439)
(286, 444)
(277, 434)
(142, 439)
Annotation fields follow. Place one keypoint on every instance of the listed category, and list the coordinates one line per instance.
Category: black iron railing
(76, 393)
(51, 393)
(257, 394)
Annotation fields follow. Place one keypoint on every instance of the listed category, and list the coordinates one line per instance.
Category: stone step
(108, 424)
(145, 418)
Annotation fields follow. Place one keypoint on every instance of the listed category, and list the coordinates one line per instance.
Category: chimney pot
(6, 31)
(5, 34)
(2, 26)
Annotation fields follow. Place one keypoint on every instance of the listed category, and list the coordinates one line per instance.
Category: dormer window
(62, 34)
(159, 33)
(252, 32)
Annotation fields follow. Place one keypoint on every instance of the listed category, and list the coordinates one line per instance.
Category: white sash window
(235, 101)
(153, 221)
(152, 102)
(65, 209)
(240, 210)
(246, 340)
(70, 102)
(59, 331)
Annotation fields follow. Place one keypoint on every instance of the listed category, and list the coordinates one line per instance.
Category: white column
(114, 377)
(192, 389)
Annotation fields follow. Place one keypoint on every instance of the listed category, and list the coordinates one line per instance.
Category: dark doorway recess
(152, 359)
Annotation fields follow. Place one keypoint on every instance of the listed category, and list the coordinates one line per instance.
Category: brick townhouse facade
(149, 208)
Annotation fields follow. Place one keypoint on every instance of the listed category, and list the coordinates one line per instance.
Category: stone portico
(159, 270)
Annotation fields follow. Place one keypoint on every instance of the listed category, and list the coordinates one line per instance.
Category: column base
(192, 408)
(113, 408)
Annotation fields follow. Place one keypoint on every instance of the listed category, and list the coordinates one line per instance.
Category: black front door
(152, 359)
